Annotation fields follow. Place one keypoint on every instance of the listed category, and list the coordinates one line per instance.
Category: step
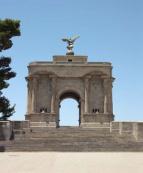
(70, 139)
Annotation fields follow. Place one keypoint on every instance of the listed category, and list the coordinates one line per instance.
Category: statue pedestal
(69, 58)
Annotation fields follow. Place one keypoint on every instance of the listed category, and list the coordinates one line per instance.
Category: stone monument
(70, 76)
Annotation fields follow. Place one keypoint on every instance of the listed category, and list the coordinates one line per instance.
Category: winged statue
(70, 41)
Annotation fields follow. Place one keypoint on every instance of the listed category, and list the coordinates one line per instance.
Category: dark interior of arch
(70, 94)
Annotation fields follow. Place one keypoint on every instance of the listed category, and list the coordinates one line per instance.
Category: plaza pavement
(71, 162)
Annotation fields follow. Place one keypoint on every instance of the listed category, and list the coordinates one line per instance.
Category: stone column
(29, 94)
(105, 104)
(34, 93)
(107, 95)
(52, 118)
(53, 94)
(86, 90)
(105, 84)
(81, 110)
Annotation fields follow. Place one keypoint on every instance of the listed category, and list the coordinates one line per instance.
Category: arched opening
(69, 109)
(69, 112)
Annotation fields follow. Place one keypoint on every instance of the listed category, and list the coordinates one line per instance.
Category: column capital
(108, 79)
(31, 77)
(107, 82)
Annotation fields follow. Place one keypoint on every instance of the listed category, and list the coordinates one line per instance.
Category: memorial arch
(90, 83)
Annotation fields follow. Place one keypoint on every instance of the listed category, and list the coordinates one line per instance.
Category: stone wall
(134, 128)
(7, 128)
(139, 131)
(20, 124)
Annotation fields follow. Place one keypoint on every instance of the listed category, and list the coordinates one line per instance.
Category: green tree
(8, 29)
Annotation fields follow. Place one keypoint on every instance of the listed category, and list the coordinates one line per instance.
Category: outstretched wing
(65, 39)
(74, 38)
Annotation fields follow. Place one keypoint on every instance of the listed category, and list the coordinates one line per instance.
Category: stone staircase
(74, 139)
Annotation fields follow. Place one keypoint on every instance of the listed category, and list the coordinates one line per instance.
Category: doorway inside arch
(69, 110)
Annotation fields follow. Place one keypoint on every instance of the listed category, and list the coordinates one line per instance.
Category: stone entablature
(90, 83)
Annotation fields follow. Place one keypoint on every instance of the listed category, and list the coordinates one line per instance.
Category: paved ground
(59, 162)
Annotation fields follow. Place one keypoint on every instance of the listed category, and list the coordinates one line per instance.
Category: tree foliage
(8, 29)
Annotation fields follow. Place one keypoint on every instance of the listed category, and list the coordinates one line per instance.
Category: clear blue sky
(110, 30)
